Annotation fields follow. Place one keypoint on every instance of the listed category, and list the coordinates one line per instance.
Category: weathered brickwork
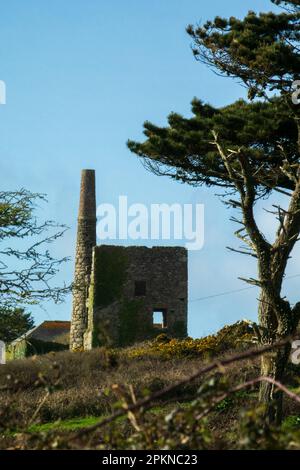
(86, 240)
(128, 285)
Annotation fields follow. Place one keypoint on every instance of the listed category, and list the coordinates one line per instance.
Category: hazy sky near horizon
(82, 76)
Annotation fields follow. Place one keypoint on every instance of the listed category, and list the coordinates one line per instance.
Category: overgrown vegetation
(239, 335)
(59, 399)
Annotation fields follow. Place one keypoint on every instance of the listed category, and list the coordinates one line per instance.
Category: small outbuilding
(46, 337)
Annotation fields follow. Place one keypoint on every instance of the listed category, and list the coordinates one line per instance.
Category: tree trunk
(273, 364)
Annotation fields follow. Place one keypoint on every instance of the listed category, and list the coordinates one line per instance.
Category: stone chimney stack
(86, 240)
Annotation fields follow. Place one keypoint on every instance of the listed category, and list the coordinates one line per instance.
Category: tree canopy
(184, 150)
(14, 323)
(262, 50)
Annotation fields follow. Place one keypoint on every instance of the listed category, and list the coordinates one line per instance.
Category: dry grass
(83, 380)
(71, 386)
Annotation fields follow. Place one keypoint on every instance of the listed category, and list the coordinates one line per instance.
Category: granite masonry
(123, 295)
(86, 240)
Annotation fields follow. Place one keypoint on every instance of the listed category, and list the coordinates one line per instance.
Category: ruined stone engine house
(119, 292)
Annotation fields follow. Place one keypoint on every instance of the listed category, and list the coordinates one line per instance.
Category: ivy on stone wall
(129, 320)
(110, 274)
(117, 318)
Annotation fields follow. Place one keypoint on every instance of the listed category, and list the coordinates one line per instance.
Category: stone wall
(86, 240)
(120, 312)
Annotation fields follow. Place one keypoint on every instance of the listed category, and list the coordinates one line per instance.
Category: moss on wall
(116, 316)
(109, 275)
(129, 321)
(16, 350)
(30, 347)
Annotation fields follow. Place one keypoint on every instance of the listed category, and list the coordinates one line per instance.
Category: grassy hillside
(45, 400)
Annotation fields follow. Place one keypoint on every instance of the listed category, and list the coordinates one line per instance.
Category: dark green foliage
(260, 49)
(291, 422)
(13, 323)
(255, 434)
(185, 151)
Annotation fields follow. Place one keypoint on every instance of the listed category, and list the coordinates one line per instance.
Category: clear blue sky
(82, 76)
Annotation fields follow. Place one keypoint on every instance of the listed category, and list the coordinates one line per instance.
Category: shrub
(229, 337)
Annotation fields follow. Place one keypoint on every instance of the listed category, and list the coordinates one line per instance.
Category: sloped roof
(55, 324)
(49, 331)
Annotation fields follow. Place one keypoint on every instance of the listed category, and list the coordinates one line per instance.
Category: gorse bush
(239, 335)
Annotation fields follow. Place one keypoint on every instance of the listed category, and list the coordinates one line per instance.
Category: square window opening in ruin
(159, 318)
(139, 288)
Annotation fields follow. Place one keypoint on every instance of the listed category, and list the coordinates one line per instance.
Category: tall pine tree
(251, 149)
